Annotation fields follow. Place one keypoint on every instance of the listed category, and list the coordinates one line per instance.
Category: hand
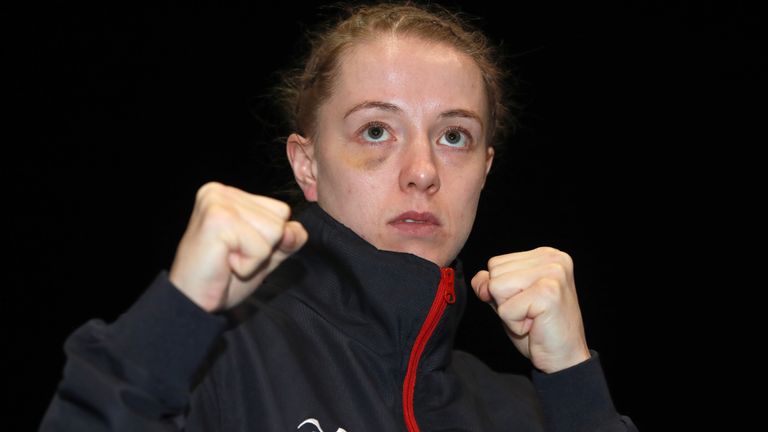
(233, 241)
(535, 295)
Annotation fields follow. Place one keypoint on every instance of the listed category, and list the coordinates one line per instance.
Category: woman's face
(400, 154)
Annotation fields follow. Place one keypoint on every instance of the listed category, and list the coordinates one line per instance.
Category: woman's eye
(375, 133)
(455, 138)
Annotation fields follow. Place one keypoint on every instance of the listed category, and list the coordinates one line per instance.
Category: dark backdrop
(632, 133)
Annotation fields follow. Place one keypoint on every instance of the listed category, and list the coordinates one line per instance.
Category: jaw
(431, 248)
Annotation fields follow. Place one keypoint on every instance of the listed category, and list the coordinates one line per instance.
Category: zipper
(446, 294)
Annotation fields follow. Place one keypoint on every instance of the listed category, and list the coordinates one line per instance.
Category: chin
(432, 257)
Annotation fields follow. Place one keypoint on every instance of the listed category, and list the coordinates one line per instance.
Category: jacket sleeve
(135, 374)
(577, 399)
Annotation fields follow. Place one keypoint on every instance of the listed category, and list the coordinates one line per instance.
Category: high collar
(378, 298)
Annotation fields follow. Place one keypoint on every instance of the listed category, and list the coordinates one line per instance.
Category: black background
(633, 155)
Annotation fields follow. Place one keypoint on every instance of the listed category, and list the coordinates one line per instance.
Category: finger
(247, 248)
(480, 285)
(520, 328)
(259, 204)
(267, 223)
(271, 207)
(520, 260)
(514, 256)
(278, 208)
(294, 237)
(498, 267)
(529, 304)
(506, 285)
(533, 254)
(218, 205)
(217, 192)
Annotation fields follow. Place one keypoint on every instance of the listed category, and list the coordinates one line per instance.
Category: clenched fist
(535, 295)
(233, 241)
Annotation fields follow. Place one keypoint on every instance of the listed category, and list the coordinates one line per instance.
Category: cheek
(368, 163)
(365, 161)
(364, 170)
(464, 193)
(466, 184)
(356, 180)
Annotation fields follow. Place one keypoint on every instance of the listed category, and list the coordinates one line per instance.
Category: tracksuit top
(341, 337)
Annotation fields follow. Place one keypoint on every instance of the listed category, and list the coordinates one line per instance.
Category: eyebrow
(463, 113)
(386, 106)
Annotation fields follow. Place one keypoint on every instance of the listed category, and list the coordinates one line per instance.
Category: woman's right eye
(375, 133)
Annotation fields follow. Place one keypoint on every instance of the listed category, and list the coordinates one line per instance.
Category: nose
(419, 169)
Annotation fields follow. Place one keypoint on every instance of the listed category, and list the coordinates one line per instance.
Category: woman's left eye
(455, 138)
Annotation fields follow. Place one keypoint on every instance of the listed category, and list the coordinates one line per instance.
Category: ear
(300, 152)
(488, 162)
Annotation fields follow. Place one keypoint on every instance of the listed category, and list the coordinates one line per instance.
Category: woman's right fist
(233, 241)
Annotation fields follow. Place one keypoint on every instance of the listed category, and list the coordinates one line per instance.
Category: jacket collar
(379, 298)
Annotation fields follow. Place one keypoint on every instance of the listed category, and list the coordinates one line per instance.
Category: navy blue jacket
(341, 337)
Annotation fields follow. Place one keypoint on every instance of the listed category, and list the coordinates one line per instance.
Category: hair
(302, 91)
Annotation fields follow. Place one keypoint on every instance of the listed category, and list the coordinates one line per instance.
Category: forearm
(577, 399)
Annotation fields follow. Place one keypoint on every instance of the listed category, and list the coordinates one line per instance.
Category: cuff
(576, 398)
(166, 334)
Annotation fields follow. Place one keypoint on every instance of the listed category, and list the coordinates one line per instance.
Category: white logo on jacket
(316, 424)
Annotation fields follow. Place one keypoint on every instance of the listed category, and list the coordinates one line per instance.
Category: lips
(415, 225)
(412, 217)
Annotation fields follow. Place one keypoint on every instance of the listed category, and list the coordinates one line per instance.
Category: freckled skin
(365, 184)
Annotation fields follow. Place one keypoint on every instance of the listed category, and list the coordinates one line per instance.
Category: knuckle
(497, 261)
(557, 270)
(506, 311)
(549, 252)
(502, 310)
(565, 260)
(283, 209)
(261, 249)
(216, 215)
(493, 286)
(557, 256)
(207, 189)
(274, 233)
(549, 289)
(274, 206)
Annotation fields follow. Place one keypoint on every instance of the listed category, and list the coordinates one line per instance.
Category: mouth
(412, 217)
(415, 224)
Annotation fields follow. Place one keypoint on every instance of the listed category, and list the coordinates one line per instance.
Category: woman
(344, 318)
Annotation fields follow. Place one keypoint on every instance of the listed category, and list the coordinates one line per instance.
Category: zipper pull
(447, 281)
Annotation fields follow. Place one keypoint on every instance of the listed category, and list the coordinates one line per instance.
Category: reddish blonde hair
(304, 90)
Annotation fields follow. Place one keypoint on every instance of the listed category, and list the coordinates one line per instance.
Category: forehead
(412, 73)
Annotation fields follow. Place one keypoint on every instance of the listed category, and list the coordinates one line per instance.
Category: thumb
(294, 237)
(480, 285)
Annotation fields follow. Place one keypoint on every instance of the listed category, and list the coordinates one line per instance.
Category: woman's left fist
(534, 294)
